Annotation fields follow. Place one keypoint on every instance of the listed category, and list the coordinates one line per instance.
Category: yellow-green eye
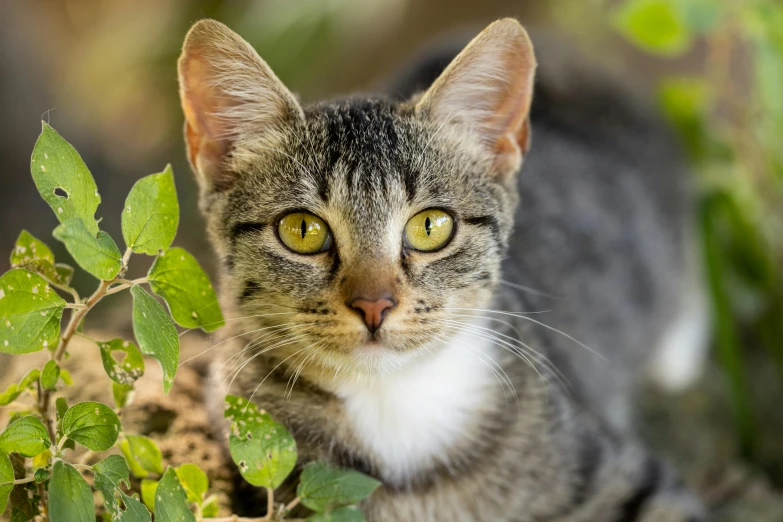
(304, 233)
(429, 230)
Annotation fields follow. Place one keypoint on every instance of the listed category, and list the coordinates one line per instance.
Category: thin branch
(45, 396)
(125, 258)
(61, 445)
(125, 284)
(131, 282)
(65, 288)
(118, 288)
(18, 481)
(291, 505)
(270, 503)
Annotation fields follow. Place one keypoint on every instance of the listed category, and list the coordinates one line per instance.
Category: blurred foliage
(730, 116)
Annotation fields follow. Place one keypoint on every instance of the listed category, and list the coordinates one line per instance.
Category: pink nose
(374, 312)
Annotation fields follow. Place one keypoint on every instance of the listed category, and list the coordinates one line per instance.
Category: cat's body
(463, 398)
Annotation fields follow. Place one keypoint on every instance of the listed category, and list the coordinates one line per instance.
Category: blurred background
(103, 74)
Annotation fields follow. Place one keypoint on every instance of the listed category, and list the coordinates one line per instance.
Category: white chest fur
(409, 419)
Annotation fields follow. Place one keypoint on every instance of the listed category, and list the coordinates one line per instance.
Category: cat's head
(355, 231)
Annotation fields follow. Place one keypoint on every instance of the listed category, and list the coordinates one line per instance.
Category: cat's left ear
(485, 94)
(228, 94)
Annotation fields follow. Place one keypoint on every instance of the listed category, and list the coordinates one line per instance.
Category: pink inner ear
(511, 113)
(198, 99)
(200, 102)
(489, 85)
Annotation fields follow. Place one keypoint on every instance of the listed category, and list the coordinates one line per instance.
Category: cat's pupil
(428, 226)
(304, 228)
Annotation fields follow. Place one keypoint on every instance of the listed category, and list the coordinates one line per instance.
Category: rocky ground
(694, 430)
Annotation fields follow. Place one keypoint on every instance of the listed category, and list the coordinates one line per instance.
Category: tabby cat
(385, 312)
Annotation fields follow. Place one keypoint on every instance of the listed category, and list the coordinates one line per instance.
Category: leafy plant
(38, 475)
(730, 116)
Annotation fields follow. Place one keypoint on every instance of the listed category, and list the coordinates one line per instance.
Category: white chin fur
(409, 418)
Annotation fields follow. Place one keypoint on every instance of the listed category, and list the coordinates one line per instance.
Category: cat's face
(354, 233)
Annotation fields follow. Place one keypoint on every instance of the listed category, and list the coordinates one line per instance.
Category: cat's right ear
(228, 93)
(485, 95)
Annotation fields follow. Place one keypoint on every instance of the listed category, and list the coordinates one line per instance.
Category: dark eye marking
(428, 226)
(244, 228)
(304, 228)
(485, 221)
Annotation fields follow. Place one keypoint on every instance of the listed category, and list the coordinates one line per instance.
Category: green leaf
(323, 487)
(122, 394)
(263, 449)
(30, 313)
(70, 497)
(10, 394)
(148, 489)
(98, 255)
(41, 475)
(29, 379)
(42, 460)
(151, 213)
(61, 406)
(156, 333)
(194, 481)
(28, 249)
(132, 365)
(177, 277)
(343, 514)
(63, 179)
(6, 476)
(171, 502)
(50, 375)
(109, 474)
(134, 510)
(143, 455)
(26, 436)
(15, 390)
(91, 424)
(65, 376)
(210, 507)
(656, 26)
(64, 273)
(33, 254)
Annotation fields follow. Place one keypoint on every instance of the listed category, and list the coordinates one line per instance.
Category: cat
(413, 304)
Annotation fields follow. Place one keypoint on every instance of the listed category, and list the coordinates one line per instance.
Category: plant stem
(62, 444)
(125, 284)
(19, 481)
(45, 396)
(291, 505)
(65, 288)
(270, 503)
